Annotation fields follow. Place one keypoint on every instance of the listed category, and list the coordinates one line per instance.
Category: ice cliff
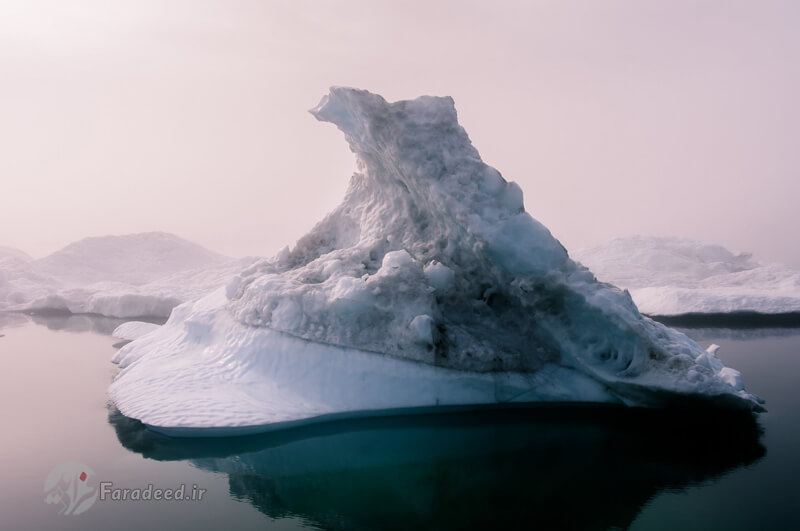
(429, 285)
(674, 276)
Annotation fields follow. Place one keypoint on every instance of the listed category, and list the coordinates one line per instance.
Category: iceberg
(131, 259)
(676, 276)
(21, 283)
(154, 299)
(428, 286)
(127, 276)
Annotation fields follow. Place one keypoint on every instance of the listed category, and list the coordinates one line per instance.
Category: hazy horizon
(658, 118)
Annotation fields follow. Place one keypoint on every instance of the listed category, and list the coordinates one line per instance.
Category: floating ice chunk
(674, 276)
(134, 275)
(350, 321)
(115, 299)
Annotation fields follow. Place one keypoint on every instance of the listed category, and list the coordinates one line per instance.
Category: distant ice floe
(135, 275)
(428, 286)
(134, 259)
(674, 276)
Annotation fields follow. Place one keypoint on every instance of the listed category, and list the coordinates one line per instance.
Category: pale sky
(615, 117)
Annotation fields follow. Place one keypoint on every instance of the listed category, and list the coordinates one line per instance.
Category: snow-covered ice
(131, 259)
(674, 276)
(133, 330)
(429, 285)
(153, 299)
(135, 275)
(21, 283)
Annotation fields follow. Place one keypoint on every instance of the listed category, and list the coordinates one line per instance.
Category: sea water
(546, 467)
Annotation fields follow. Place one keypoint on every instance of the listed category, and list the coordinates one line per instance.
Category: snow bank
(429, 285)
(673, 276)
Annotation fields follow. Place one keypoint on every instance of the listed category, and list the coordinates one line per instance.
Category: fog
(616, 118)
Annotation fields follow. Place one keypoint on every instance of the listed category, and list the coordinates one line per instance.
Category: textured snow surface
(428, 285)
(224, 374)
(673, 276)
(133, 275)
(133, 330)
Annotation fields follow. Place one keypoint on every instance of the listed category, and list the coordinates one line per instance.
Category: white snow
(428, 285)
(673, 276)
(133, 330)
(133, 275)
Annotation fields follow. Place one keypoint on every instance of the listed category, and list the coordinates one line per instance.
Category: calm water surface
(542, 467)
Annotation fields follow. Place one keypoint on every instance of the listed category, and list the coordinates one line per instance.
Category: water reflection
(547, 467)
(68, 322)
(10, 319)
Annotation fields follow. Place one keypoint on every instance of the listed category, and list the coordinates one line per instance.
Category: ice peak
(361, 114)
(414, 157)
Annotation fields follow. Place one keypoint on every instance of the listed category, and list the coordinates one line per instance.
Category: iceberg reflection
(547, 466)
(82, 322)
